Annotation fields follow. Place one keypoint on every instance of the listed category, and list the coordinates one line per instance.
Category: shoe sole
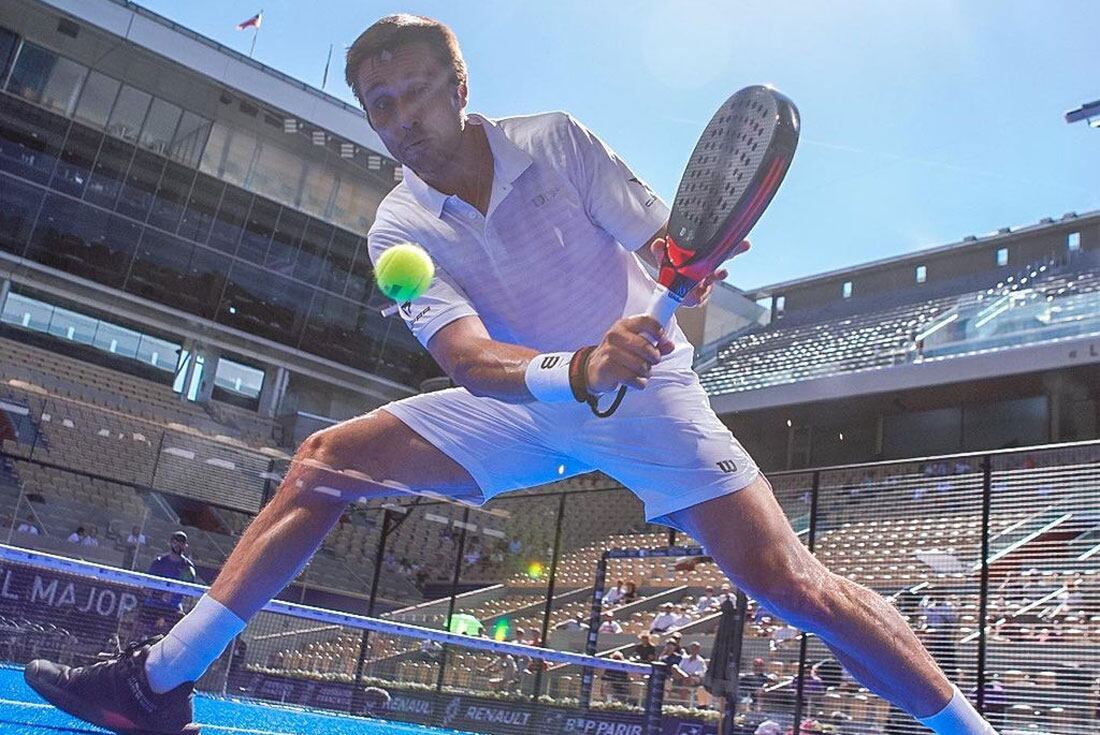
(79, 708)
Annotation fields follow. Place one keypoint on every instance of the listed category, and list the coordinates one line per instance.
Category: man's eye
(381, 104)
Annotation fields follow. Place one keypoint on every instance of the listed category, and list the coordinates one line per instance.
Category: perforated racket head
(732, 175)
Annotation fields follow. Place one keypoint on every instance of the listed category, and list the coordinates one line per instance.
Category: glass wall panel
(190, 137)
(226, 230)
(311, 256)
(136, 195)
(277, 174)
(159, 271)
(30, 139)
(74, 168)
(338, 260)
(31, 72)
(206, 277)
(354, 205)
(256, 237)
(96, 99)
(8, 42)
(213, 153)
(158, 352)
(109, 172)
(117, 340)
(240, 379)
(284, 241)
(72, 326)
(18, 208)
(239, 153)
(203, 202)
(331, 330)
(27, 313)
(171, 196)
(63, 86)
(129, 113)
(317, 190)
(160, 126)
(361, 276)
(258, 302)
(84, 240)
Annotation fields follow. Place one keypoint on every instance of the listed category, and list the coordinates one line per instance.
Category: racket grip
(662, 306)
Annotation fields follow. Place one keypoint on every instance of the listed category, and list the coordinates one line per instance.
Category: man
(752, 683)
(609, 624)
(706, 601)
(615, 594)
(134, 542)
(644, 650)
(77, 536)
(663, 620)
(537, 231)
(161, 609)
(690, 671)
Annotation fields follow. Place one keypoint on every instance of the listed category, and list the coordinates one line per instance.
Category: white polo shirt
(551, 266)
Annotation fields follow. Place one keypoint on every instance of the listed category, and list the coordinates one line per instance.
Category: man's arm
(486, 367)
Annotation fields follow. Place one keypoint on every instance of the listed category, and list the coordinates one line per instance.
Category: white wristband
(547, 377)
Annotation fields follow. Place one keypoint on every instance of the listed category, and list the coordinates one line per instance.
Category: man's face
(178, 546)
(414, 105)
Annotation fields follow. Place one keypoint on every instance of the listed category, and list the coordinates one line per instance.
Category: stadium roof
(1005, 233)
(223, 65)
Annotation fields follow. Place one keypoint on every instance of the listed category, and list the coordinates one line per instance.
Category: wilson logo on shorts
(727, 465)
(549, 362)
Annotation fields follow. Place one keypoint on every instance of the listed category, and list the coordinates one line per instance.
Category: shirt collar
(509, 161)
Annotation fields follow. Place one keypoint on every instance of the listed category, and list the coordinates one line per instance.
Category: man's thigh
(474, 447)
(667, 446)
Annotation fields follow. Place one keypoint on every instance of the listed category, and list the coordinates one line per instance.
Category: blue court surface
(22, 712)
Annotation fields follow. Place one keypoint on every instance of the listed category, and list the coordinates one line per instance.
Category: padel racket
(731, 177)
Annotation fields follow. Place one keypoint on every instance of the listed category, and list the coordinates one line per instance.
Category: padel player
(536, 229)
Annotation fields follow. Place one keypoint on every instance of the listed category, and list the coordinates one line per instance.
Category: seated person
(616, 684)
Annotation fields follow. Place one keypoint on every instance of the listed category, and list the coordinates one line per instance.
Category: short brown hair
(393, 31)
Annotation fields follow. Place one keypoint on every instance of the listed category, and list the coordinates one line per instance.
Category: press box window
(922, 274)
(1002, 256)
(1073, 241)
(846, 289)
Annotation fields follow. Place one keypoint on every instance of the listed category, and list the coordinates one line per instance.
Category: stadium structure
(186, 296)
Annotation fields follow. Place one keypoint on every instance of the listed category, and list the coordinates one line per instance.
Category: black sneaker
(115, 694)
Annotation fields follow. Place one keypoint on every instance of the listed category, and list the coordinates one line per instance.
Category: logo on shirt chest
(546, 196)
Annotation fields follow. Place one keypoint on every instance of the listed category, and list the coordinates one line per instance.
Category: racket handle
(662, 306)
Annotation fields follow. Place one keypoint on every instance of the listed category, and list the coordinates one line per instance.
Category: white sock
(958, 718)
(191, 645)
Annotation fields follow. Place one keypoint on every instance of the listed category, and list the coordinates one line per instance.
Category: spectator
(785, 632)
(630, 594)
(753, 683)
(707, 600)
(574, 623)
(77, 536)
(616, 683)
(502, 672)
(671, 654)
(691, 670)
(610, 624)
(682, 617)
(92, 537)
(134, 542)
(644, 650)
(162, 609)
(28, 526)
(663, 620)
(615, 594)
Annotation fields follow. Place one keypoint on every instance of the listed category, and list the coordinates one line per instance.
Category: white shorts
(663, 443)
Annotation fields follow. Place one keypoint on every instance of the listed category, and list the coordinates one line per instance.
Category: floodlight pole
(1089, 111)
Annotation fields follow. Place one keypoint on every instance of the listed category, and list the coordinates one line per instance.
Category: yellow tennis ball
(404, 272)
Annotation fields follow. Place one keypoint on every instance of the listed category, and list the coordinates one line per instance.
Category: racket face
(732, 174)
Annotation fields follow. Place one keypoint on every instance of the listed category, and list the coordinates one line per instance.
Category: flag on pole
(253, 22)
(324, 78)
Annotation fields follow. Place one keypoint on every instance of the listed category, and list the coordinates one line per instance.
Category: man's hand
(698, 295)
(626, 354)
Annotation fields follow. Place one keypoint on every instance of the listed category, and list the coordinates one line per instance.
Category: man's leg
(324, 476)
(148, 687)
(749, 537)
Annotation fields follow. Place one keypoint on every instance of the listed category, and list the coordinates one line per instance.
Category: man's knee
(802, 597)
(332, 464)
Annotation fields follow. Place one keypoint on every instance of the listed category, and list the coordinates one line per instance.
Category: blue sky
(923, 122)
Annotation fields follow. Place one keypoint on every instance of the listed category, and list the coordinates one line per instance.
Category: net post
(733, 666)
(454, 591)
(550, 592)
(799, 701)
(593, 630)
(983, 589)
(655, 698)
(376, 577)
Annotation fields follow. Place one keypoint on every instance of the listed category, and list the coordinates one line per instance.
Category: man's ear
(461, 95)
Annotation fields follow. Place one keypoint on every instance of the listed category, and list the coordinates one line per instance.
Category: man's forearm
(495, 370)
